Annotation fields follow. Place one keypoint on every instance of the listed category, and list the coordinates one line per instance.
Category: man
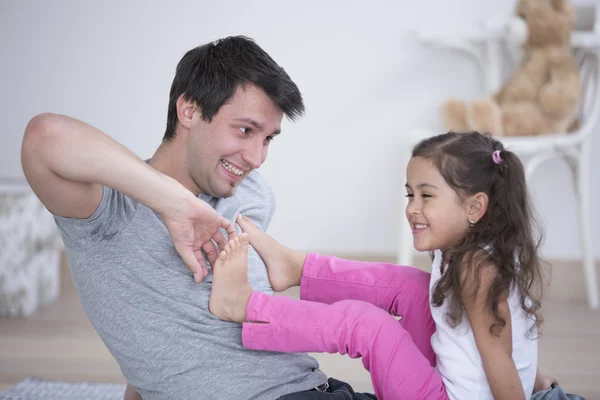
(132, 229)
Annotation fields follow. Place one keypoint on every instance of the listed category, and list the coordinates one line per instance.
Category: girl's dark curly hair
(507, 230)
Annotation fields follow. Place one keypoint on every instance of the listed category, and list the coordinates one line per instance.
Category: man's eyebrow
(250, 121)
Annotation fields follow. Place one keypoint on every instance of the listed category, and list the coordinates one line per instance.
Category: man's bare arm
(66, 163)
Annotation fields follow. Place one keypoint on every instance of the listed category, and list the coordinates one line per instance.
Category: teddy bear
(542, 94)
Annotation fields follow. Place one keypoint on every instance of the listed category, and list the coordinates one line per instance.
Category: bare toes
(239, 247)
(245, 223)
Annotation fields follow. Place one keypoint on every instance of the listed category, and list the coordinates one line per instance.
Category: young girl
(470, 333)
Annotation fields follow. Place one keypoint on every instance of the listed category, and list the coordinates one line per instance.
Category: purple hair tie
(496, 157)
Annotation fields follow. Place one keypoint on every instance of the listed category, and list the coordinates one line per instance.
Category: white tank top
(458, 360)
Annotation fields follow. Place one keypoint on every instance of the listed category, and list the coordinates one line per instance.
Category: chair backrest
(586, 47)
(588, 108)
(586, 14)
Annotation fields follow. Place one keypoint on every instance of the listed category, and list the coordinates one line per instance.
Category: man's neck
(170, 159)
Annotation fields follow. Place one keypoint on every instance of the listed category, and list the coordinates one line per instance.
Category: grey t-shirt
(153, 318)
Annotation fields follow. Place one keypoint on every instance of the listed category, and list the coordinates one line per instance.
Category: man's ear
(185, 111)
(478, 204)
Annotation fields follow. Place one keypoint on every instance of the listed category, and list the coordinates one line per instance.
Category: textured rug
(40, 389)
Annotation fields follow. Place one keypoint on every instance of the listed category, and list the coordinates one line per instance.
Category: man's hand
(192, 224)
(543, 382)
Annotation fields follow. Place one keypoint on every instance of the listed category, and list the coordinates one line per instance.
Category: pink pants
(348, 312)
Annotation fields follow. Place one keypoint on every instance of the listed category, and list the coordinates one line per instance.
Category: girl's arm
(494, 347)
(543, 382)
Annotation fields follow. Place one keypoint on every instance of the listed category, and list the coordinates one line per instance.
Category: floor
(59, 343)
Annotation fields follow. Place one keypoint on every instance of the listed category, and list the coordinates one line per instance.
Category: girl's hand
(543, 382)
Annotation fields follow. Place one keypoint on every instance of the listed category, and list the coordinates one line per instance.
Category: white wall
(363, 77)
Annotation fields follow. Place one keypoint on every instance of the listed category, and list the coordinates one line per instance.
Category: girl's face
(436, 214)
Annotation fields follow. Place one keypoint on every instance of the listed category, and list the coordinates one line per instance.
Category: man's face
(223, 152)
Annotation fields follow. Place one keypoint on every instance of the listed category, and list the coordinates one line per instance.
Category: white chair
(485, 47)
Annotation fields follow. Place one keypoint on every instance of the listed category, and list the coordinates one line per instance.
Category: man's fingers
(202, 261)
(229, 228)
(220, 239)
(212, 253)
(194, 264)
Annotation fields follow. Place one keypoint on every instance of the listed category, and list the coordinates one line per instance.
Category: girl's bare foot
(284, 265)
(231, 290)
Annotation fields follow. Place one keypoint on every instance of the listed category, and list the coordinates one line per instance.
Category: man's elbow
(36, 134)
(40, 125)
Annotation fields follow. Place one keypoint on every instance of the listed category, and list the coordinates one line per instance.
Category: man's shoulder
(255, 185)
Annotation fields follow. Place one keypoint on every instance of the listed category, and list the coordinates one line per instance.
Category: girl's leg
(358, 329)
(399, 290)
(398, 369)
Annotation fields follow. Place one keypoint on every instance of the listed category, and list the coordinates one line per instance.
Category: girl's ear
(478, 204)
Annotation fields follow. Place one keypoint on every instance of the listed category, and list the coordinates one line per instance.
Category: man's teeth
(420, 226)
(231, 168)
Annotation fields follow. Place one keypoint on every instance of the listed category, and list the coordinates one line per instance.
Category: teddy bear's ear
(560, 5)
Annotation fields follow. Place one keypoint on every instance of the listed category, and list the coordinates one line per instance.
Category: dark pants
(555, 392)
(332, 390)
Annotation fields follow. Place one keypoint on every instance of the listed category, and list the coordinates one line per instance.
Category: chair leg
(584, 211)
(580, 167)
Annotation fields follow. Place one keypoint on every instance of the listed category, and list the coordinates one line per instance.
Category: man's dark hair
(211, 73)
